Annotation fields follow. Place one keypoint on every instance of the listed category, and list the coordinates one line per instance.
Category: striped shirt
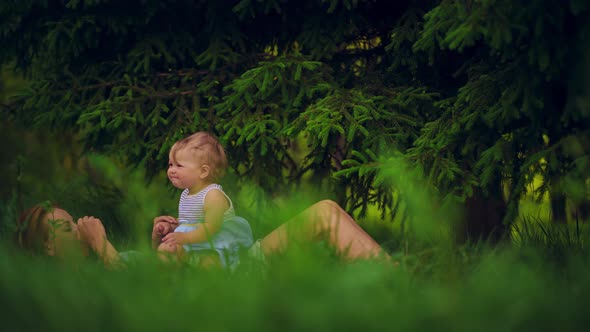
(191, 208)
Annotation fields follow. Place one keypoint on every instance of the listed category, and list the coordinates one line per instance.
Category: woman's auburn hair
(31, 232)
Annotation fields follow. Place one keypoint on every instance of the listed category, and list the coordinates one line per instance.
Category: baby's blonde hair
(206, 147)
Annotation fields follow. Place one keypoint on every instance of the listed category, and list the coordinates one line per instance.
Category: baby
(206, 219)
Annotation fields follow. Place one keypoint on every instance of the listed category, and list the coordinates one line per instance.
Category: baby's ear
(205, 171)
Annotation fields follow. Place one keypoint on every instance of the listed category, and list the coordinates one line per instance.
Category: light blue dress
(235, 232)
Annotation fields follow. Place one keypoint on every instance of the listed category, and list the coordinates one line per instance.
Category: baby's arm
(215, 205)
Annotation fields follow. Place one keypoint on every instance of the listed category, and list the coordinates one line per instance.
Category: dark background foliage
(480, 96)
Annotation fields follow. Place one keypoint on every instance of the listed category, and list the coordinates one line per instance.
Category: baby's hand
(174, 239)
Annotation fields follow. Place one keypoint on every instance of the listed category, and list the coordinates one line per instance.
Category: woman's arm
(92, 232)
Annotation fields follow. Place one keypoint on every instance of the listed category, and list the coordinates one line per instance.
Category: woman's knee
(329, 203)
(330, 207)
(328, 214)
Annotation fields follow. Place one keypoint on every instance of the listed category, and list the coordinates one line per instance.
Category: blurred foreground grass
(465, 290)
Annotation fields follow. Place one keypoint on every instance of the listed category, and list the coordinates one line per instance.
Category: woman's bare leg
(167, 253)
(176, 254)
(324, 220)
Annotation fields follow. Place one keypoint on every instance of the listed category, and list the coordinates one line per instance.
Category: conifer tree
(481, 94)
(520, 110)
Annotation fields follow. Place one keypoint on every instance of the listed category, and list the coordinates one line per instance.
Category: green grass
(538, 281)
(464, 290)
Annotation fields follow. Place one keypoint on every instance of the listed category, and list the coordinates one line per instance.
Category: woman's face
(63, 239)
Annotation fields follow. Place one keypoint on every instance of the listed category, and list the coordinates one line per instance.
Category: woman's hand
(92, 232)
(160, 229)
(163, 225)
(169, 219)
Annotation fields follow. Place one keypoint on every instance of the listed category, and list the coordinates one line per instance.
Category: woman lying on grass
(52, 231)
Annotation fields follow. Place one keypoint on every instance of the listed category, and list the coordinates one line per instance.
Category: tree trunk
(558, 210)
(557, 198)
(483, 217)
(582, 211)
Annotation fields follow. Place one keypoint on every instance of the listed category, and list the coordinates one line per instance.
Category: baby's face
(185, 169)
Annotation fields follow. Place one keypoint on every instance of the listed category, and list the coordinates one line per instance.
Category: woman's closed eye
(60, 224)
